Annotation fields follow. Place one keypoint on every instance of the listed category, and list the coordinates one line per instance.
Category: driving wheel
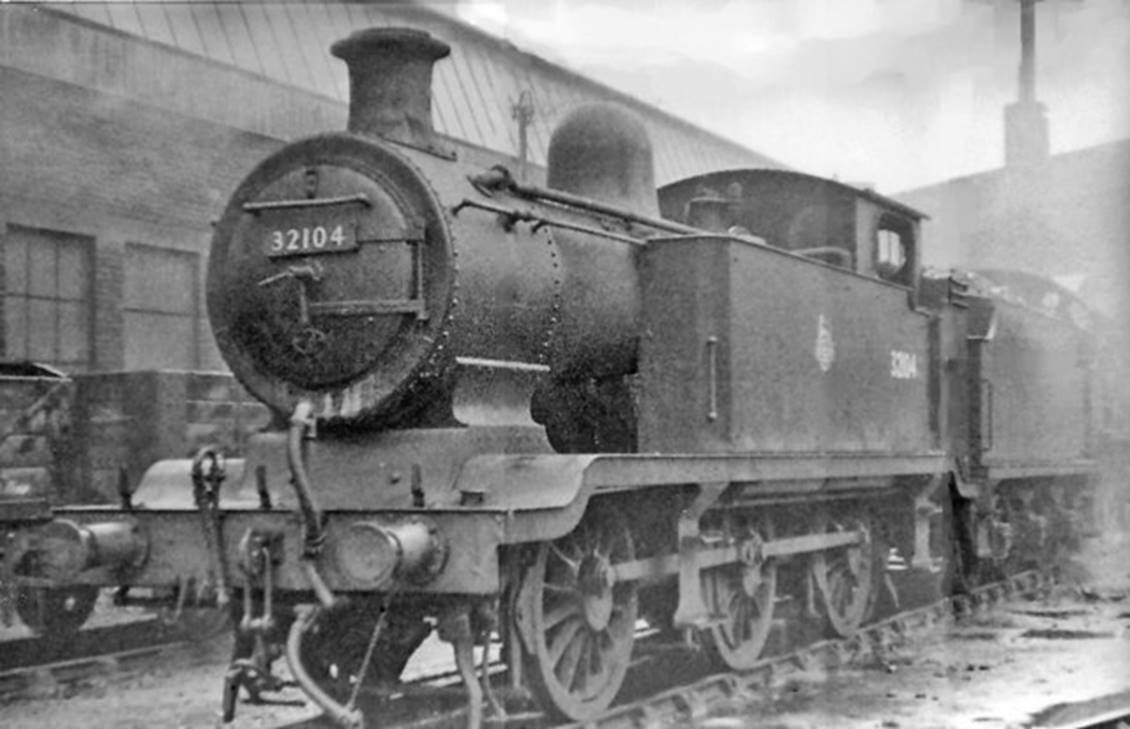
(577, 622)
(845, 577)
(741, 596)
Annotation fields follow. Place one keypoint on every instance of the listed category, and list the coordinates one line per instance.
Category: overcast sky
(897, 93)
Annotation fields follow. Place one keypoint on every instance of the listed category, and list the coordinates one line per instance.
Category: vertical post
(1027, 79)
(522, 111)
(1026, 126)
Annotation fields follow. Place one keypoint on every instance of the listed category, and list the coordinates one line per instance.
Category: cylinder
(66, 549)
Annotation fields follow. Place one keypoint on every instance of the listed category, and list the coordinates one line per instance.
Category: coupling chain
(253, 671)
(208, 476)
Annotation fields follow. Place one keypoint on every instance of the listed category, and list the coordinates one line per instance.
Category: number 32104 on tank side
(551, 413)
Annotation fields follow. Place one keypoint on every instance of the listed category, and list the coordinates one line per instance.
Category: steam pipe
(312, 534)
(499, 177)
(318, 585)
(337, 713)
(584, 203)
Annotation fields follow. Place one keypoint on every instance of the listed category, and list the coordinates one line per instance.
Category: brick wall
(119, 172)
(124, 422)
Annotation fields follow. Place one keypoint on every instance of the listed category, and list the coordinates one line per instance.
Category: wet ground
(1000, 669)
(1009, 667)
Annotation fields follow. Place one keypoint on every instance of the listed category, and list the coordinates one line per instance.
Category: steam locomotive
(550, 413)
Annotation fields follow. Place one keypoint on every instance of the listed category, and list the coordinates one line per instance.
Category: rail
(687, 704)
(43, 667)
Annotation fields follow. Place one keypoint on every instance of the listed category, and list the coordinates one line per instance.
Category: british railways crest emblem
(825, 347)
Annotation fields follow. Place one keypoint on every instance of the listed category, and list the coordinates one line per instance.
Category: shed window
(48, 297)
(160, 308)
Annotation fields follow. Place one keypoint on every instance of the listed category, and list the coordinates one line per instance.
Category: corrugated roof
(474, 92)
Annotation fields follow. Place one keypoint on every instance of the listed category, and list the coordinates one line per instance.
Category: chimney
(390, 83)
(1025, 125)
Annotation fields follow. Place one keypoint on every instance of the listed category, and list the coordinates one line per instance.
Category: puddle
(1101, 596)
(723, 722)
(1079, 712)
(991, 621)
(1066, 613)
(972, 635)
(1061, 634)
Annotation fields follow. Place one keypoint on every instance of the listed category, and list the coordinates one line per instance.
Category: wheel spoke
(840, 591)
(742, 617)
(560, 589)
(598, 658)
(562, 640)
(606, 545)
(589, 673)
(572, 563)
(565, 610)
(570, 664)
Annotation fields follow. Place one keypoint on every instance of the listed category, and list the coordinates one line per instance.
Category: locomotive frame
(486, 419)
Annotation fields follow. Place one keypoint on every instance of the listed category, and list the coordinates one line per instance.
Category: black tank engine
(548, 413)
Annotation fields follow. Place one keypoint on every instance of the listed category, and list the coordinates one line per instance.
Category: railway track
(687, 696)
(45, 667)
(667, 687)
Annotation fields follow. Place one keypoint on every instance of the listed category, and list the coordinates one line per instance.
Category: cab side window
(894, 246)
(890, 256)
